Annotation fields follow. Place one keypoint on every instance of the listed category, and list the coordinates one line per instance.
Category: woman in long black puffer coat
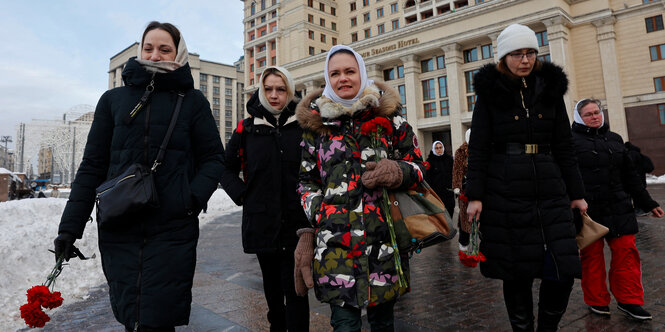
(439, 175)
(610, 180)
(149, 258)
(523, 177)
(266, 147)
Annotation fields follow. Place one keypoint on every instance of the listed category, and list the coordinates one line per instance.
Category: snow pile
(652, 179)
(27, 230)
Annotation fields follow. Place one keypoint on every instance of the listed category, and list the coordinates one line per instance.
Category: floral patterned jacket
(353, 261)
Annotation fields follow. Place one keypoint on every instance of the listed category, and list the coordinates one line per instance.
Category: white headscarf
(290, 90)
(578, 118)
(467, 135)
(434, 150)
(181, 58)
(364, 82)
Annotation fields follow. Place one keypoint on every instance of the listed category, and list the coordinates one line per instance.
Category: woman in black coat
(523, 177)
(610, 180)
(266, 147)
(440, 175)
(149, 258)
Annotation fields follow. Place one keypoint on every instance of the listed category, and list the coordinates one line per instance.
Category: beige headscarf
(181, 58)
(290, 90)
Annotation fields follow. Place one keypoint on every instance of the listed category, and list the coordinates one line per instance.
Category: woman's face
(158, 45)
(344, 75)
(591, 115)
(275, 89)
(438, 148)
(520, 62)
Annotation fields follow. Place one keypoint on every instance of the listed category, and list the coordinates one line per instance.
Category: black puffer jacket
(149, 262)
(610, 179)
(526, 221)
(271, 152)
(440, 177)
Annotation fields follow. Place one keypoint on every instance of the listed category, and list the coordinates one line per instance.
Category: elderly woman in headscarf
(610, 180)
(266, 147)
(149, 256)
(348, 126)
(439, 175)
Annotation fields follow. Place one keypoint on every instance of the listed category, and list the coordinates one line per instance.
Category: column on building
(118, 76)
(611, 79)
(456, 101)
(411, 84)
(374, 72)
(310, 86)
(560, 54)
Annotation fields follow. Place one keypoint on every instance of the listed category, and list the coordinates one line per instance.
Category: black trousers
(552, 303)
(278, 286)
(381, 318)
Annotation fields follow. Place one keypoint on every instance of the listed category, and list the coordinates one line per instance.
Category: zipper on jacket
(138, 285)
(522, 97)
(146, 141)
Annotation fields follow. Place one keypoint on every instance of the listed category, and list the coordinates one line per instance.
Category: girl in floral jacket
(341, 191)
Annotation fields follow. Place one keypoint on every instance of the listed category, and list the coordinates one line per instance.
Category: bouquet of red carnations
(472, 256)
(41, 297)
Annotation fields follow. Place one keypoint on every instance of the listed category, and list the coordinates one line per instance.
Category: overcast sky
(54, 55)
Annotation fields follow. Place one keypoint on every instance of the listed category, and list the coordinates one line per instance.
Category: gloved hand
(304, 255)
(385, 173)
(64, 245)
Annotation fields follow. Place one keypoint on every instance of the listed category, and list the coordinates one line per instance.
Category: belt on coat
(519, 148)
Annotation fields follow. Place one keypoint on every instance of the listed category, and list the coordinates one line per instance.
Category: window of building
(471, 102)
(228, 113)
(486, 51)
(471, 55)
(333, 11)
(410, 19)
(228, 92)
(443, 87)
(310, 18)
(468, 77)
(273, 45)
(657, 52)
(659, 83)
(262, 48)
(352, 6)
(661, 114)
(263, 19)
(215, 79)
(648, 1)
(429, 89)
(323, 51)
(479, 2)
(400, 71)
(228, 102)
(310, 34)
(251, 53)
(542, 38)
(380, 29)
(402, 99)
(310, 3)
(273, 61)
(333, 26)
(311, 50)
(366, 17)
(251, 81)
(215, 112)
(251, 67)
(251, 24)
(427, 65)
(228, 81)
(445, 110)
(365, 3)
(252, 8)
(430, 109)
(368, 33)
(654, 23)
(323, 38)
(544, 57)
(262, 63)
(215, 90)
(354, 37)
(322, 7)
(228, 124)
(203, 77)
(440, 62)
(354, 21)
(215, 101)
(379, 12)
(263, 4)
(389, 74)
(394, 8)
(204, 88)
(322, 22)
(273, 14)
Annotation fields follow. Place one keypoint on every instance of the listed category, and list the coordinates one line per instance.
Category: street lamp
(6, 139)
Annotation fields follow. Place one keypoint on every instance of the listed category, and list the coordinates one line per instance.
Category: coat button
(517, 117)
(540, 116)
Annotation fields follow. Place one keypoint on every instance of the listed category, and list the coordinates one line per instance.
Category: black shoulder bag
(134, 189)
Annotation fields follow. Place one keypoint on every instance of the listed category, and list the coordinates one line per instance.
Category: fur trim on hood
(314, 108)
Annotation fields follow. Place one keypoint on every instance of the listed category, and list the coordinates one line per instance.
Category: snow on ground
(652, 179)
(27, 230)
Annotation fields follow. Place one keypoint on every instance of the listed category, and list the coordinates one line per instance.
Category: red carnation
(54, 301)
(33, 315)
(38, 294)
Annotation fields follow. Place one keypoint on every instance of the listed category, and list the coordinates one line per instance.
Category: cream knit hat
(515, 37)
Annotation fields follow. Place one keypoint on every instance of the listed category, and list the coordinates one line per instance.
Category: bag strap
(165, 142)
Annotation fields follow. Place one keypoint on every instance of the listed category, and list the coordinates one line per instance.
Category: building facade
(429, 51)
(221, 84)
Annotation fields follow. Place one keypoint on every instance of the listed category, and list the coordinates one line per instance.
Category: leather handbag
(590, 232)
(134, 189)
(420, 218)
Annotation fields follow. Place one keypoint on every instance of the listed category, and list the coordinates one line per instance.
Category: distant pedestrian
(55, 193)
(610, 181)
(440, 175)
(266, 147)
(523, 177)
(149, 257)
(460, 166)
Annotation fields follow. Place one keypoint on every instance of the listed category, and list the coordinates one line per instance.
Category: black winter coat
(271, 154)
(149, 261)
(610, 179)
(440, 178)
(526, 222)
(642, 163)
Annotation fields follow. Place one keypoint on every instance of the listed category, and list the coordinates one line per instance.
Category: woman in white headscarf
(149, 256)
(266, 147)
(439, 175)
(610, 181)
(341, 192)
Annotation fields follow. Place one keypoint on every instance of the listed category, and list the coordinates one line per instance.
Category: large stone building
(429, 51)
(221, 84)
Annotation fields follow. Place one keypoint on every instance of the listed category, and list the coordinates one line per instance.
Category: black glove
(64, 245)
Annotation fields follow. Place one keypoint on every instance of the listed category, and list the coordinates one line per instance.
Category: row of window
(310, 34)
(227, 102)
(262, 19)
(322, 7)
(379, 14)
(252, 7)
(215, 90)
(215, 79)
(352, 6)
(322, 22)
(227, 113)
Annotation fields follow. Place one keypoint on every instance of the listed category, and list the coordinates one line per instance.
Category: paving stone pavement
(445, 295)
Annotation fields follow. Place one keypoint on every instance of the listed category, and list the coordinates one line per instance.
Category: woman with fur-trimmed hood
(340, 188)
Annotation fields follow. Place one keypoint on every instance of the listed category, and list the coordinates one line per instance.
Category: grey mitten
(304, 255)
(385, 173)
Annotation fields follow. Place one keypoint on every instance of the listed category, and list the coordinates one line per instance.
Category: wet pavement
(445, 295)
